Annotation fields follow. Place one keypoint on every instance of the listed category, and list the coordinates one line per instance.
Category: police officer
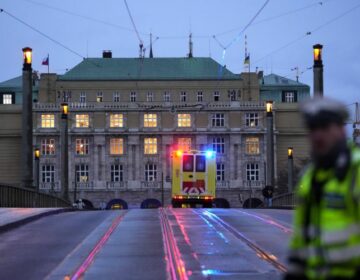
(267, 193)
(326, 239)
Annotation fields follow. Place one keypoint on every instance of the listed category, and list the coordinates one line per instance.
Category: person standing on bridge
(326, 239)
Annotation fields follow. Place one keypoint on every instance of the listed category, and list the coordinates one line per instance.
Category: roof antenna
(297, 72)
(190, 55)
(141, 46)
(151, 55)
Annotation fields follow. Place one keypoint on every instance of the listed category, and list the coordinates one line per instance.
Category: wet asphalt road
(149, 244)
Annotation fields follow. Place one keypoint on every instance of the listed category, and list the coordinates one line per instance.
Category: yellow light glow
(65, 108)
(290, 151)
(317, 54)
(37, 153)
(179, 153)
(269, 106)
(27, 52)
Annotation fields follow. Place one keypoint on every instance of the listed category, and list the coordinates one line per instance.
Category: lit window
(252, 145)
(166, 96)
(116, 173)
(184, 120)
(150, 172)
(184, 144)
(150, 97)
(82, 146)
(116, 146)
(220, 172)
(82, 173)
(218, 120)
(150, 120)
(289, 96)
(116, 97)
(183, 96)
(200, 96)
(216, 96)
(150, 146)
(133, 96)
(252, 119)
(7, 99)
(82, 97)
(218, 145)
(47, 146)
(48, 121)
(116, 120)
(48, 174)
(81, 120)
(252, 172)
(99, 97)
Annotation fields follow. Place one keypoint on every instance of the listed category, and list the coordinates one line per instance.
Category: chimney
(107, 54)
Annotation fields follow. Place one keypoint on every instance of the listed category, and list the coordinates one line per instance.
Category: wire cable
(133, 22)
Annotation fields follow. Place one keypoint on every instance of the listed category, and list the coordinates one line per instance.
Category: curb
(19, 223)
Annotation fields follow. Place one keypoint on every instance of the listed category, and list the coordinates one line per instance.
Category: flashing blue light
(209, 154)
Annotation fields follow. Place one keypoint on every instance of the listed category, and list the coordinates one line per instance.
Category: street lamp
(64, 151)
(290, 169)
(269, 145)
(269, 107)
(37, 167)
(318, 69)
(27, 121)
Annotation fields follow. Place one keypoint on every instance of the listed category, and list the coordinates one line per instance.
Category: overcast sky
(88, 27)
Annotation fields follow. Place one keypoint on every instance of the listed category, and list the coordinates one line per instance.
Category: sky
(276, 39)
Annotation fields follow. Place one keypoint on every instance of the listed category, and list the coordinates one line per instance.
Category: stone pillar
(64, 143)
(290, 172)
(269, 149)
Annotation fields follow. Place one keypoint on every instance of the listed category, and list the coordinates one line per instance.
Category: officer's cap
(320, 112)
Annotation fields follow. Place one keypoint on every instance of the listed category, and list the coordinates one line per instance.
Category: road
(149, 244)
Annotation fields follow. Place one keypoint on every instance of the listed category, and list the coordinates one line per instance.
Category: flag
(247, 59)
(45, 61)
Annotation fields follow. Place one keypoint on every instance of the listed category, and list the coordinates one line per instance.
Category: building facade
(128, 115)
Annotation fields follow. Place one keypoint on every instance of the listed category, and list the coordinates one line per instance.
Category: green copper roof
(149, 69)
(276, 80)
(12, 83)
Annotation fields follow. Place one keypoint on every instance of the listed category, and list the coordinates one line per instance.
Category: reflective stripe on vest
(340, 236)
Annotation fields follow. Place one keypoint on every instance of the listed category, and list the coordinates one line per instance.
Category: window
(184, 120)
(82, 146)
(47, 146)
(116, 120)
(252, 145)
(219, 145)
(116, 173)
(150, 172)
(48, 174)
(188, 163)
(82, 97)
(150, 146)
(183, 96)
(48, 121)
(232, 94)
(82, 173)
(166, 96)
(184, 144)
(220, 172)
(116, 97)
(81, 120)
(252, 172)
(116, 146)
(7, 98)
(200, 165)
(99, 97)
(252, 119)
(133, 96)
(218, 120)
(150, 97)
(150, 120)
(216, 96)
(289, 96)
(200, 96)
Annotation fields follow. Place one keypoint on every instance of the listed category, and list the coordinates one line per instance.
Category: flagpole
(48, 65)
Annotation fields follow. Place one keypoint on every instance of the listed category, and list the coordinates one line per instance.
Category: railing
(253, 184)
(82, 186)
(151, 185)
(222, 184)
(11, 196)
(51, 187)
(286, 200)
(115, 185)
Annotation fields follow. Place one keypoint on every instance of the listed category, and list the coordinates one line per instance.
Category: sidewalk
(14, 217)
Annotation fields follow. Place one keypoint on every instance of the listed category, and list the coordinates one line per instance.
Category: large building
(127, 116)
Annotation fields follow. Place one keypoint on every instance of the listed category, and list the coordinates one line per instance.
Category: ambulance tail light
(178, 197)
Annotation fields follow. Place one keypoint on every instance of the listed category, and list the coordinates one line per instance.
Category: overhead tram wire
(309, 33)
(42, 33)
(132, 21)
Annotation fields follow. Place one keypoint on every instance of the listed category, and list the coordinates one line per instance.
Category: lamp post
(64, 151)
(318, 69)
(290, 169)
(269, 145)
(37, 168)
(27, 123)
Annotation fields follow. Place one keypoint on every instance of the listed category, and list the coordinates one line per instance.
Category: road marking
(272, 259)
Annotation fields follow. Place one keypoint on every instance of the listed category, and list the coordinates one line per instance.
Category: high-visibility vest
(326, 239)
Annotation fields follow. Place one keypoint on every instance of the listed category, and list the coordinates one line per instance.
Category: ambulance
(193, 178)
